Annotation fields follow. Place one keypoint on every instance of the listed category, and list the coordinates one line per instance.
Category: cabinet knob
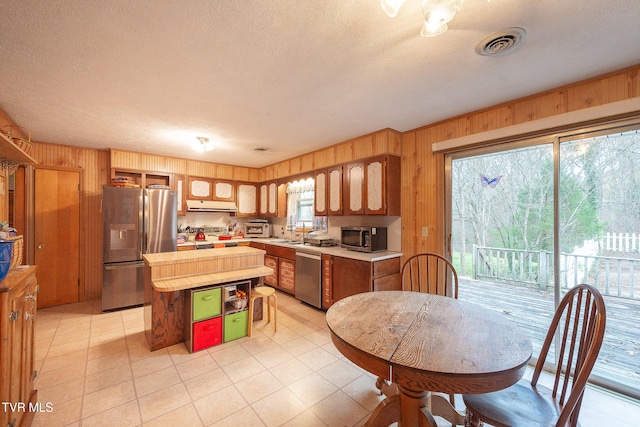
(40, 246)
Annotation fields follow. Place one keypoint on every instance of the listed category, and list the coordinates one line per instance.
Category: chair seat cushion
(516, 406)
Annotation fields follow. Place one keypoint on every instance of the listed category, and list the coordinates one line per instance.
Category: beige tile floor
(96, 370)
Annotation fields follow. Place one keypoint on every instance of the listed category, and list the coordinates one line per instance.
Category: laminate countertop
(180, 270)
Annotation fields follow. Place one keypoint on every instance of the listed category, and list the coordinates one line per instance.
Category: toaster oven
(257, 229)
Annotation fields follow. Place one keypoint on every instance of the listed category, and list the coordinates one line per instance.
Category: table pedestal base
(431, 404)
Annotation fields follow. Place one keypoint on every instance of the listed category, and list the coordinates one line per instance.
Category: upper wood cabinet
(320, 192)
(328, 191)
(142, 178)
(224, 190)
(372, 187)
(263, 210)
(200, 188)
(334, 191)
(272, 196)
(271, 203)
(382, 181)
(247, 194)
(180, 185)
(354, 189)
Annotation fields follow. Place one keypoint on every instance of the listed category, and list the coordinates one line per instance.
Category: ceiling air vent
(500, 42)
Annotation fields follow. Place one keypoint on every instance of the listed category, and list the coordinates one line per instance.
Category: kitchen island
(168, 276)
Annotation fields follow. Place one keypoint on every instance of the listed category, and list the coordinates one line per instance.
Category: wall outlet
(425, 231)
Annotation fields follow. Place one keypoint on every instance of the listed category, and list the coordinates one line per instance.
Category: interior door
(57, 219)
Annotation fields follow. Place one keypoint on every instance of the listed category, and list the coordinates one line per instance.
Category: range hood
(210, 206)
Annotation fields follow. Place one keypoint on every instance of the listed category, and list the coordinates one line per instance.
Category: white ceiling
(290, 75)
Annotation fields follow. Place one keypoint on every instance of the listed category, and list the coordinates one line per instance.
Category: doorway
(57, 235)
(528, 220)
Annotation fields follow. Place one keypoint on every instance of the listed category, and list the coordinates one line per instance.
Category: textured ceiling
(290, 75)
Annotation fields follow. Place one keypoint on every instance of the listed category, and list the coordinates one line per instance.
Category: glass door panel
(599, 209)
(502, 232)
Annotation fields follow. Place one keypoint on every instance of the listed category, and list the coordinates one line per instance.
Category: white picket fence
(621, 242)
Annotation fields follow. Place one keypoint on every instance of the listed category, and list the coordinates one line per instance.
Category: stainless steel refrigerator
(136, 221)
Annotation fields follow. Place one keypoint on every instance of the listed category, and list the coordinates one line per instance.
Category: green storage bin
(207, 303)
(235, 325)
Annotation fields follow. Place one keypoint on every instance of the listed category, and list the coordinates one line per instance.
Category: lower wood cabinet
(214, 315)
(283, 262)
(348, 276)
(18, 304)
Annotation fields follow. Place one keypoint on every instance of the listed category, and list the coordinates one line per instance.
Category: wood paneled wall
(149, 162)
(423, 171)
(386, 141)
(95, 172)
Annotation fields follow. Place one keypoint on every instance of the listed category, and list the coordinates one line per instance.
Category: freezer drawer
(122, 285)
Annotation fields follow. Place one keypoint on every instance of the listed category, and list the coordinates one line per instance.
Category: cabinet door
(247, 199)
(224, 190)
(287, 275)
(354, 189)
(350, 277)
(272, 262)
(272, 205)
(180, 184)
(320, 193)
(264, 199)
(375, 191)
(200, 188)
(334, 191)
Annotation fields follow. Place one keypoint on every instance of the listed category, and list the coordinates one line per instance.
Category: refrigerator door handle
(143, 223)
(123, 266)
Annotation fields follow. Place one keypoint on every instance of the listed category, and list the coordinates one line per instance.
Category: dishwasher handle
(308, 255)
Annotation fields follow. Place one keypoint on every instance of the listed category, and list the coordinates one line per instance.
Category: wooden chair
(431, 274)
(580, 320)
(428, 273)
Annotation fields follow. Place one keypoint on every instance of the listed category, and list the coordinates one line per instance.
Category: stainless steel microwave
(364, 239)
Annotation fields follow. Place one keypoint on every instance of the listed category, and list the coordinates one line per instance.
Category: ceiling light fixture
(437, 14)
(203, 144)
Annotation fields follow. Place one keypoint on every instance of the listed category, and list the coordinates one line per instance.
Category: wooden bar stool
(269, 293)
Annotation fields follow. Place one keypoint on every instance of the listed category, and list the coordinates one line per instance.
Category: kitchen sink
(286, 242)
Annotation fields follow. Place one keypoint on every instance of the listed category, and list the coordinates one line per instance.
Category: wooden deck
(532, 309)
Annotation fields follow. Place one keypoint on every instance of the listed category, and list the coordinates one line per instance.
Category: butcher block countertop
(180, 270)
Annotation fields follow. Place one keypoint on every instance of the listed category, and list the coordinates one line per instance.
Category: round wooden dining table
(427, 343)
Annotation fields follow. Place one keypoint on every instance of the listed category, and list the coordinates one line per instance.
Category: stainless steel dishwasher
(309, 278)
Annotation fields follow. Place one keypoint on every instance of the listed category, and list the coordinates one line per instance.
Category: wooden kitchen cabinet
(334, 191)
(382, 185)
(351, 276)
(143, 178)
(247, 193)
(199, 188)
(353, 189)
(273, 199)
(283, 262)
(328, 191)
(180, 185)
(320, 192)
(271, 262)
(18, 304)
(372, 187)
(224, 190)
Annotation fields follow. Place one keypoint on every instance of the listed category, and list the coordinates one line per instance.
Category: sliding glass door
(530, 219)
